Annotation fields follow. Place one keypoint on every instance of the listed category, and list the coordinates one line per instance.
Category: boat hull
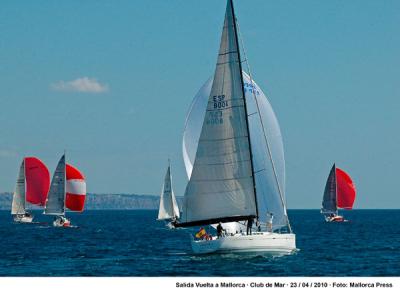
(23, 219)
(335, 219)
(261, 242)
(62, 223)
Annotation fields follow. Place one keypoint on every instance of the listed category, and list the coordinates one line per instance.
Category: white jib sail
(55, 204)
(18, 202)
(168, 205)
(221, 182)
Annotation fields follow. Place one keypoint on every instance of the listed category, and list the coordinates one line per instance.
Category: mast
(245, 106)
(337, 211)
(170, 188)
(24, 185)
(65, 183)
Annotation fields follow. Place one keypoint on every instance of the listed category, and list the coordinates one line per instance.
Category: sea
(120, 243)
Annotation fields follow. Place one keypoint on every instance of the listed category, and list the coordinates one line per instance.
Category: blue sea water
(133, 243)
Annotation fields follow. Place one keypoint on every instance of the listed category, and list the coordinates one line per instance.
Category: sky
(111, 83)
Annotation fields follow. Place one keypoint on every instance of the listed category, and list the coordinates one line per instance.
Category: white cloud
(85, 85)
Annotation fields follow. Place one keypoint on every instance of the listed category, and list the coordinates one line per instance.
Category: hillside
(104, 201)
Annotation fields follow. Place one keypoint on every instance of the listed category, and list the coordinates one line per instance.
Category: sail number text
(219, 101)
(215, 118)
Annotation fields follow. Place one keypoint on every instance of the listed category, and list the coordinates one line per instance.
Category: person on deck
(270, 217)
(219, 230)
(249, 226)
(258, 225)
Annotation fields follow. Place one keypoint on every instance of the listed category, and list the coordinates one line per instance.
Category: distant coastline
(109, 201)
(96, 201)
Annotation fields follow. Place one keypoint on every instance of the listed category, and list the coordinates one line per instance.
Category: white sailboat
(67, 190)
(18, 207)
(237, 169)
(169, 209)
(32, 186)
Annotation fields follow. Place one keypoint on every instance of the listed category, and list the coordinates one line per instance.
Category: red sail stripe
(37, 181)
(73, 173)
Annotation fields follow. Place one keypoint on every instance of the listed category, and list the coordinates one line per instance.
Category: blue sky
(111, 83)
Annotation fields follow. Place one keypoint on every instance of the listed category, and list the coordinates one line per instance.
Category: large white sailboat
(169, 209)
(67, 190)
(234, 157)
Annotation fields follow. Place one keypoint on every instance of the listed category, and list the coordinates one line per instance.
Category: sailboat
(340, 192)
(237, 169)
(169, 209)
(67, 190)
(32, 186)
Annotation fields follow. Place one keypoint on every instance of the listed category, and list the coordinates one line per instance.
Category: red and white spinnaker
(75, 189)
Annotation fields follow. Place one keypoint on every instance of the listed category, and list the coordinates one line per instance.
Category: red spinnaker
(37, 181)
(75, 189)
(346, 190)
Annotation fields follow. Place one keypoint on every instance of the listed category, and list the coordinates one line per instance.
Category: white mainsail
(168, 205)
(268, 196)
(18, 202)
(221, 186)
(55, 204)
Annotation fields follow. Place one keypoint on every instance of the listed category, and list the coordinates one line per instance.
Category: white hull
(334, 219)
(23, 219)
(268, 243)
(62, 222)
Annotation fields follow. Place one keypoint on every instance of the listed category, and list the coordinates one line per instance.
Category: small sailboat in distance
(236, 173)
(32, 186)
(169, 209)
(67, 190)
(340, 192)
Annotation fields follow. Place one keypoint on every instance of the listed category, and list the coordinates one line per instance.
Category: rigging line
(236, 37)
(265, 135)
(170, 188)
